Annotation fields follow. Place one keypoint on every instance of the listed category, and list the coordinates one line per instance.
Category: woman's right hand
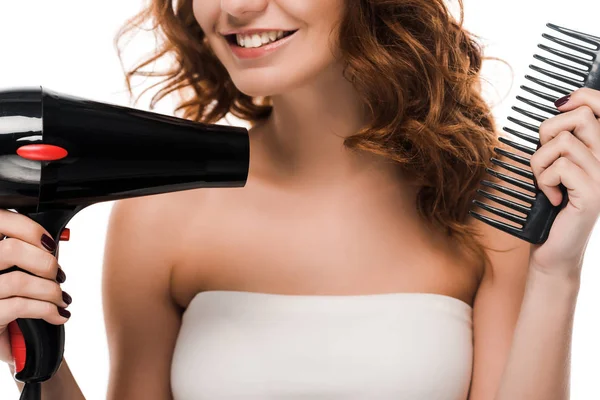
(36, 294)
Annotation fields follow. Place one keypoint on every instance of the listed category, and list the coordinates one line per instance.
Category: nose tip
(238, 8)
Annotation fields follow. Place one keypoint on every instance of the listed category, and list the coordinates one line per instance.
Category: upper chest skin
(338, 241)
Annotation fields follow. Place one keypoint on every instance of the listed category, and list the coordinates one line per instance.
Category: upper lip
(252, 31)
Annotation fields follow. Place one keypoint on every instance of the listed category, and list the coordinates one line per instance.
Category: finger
(29, 258)
(580, 97)
(581, 122)
(20, 307)
(572, 177)
(13, 224)
(568, 146)
(20, 284)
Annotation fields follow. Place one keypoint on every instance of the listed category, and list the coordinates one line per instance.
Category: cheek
(322, 22)
(313, 10)
(206, 13)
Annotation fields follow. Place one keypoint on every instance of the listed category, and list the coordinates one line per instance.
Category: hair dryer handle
(38, 346)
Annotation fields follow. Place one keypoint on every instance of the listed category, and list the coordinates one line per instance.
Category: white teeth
(258, 40)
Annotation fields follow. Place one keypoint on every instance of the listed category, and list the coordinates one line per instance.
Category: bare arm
(522, 328)
(539, 360)
(523, 322)
(142, 321)
(496, 310)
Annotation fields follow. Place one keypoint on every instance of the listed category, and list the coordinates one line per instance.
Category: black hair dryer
(59, 154)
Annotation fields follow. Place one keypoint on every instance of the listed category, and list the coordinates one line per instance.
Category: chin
(254, 85)
(258, 88)
(274, 81)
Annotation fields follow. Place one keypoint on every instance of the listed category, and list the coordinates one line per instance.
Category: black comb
(534, 213)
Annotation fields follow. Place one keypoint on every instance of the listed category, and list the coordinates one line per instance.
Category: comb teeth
(537, 117)
(511, 192)
(578, 66)
(572, 70)
(515, 145)
(529, 126)
(512, 156)
(573, 46)
(516, 170)
(540, 106)
(501, 213)
(540, 94)
(577, 83)
(584, 37)
(586, 58)
(579, 60)
(498, 224)
(507, 203)
(513, 181)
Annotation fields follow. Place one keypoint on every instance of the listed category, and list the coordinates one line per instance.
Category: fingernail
(60, 276)
(67, 299)
(48, 242)
(63, 312)
(562, 101)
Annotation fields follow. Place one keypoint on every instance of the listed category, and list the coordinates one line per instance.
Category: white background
(67, 46)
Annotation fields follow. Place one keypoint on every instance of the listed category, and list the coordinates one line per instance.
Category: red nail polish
(562, 101)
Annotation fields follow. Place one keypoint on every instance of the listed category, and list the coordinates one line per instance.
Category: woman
(346, 267)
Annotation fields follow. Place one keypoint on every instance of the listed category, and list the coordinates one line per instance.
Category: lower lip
(255, 52)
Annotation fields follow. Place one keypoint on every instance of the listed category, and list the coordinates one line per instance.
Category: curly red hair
(416, 69)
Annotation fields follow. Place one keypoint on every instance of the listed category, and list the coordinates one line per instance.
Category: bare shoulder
(142, 321)
(146, 228)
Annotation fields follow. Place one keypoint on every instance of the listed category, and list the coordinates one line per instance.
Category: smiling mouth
(256, 40)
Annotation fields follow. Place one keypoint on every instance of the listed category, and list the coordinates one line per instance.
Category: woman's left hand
(570, 154)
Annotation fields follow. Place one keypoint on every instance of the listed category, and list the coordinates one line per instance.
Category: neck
(303, 139)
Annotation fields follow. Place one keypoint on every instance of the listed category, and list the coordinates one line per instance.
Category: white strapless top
(247, 345)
